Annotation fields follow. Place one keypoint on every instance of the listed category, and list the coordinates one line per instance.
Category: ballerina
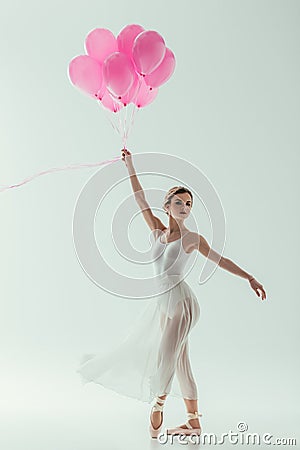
(177, 204)
(143, 365)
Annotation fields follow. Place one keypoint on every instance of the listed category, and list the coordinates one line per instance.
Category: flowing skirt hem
(124, 394)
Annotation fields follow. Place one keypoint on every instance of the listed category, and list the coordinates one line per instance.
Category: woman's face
(180, 206)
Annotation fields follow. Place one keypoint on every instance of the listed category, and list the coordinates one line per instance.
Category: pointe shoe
(189, 430)
(154, 432)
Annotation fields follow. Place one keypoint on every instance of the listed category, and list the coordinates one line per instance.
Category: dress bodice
(169, 258)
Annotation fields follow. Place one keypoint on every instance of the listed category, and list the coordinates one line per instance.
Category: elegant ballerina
(157, 347)
(178, 203)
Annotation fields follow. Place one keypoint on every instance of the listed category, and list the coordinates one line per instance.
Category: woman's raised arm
(152, 221)
(136, 186)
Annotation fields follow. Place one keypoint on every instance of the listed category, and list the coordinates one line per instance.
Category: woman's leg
(173, 357)
(191, 406)
(171, 341)
(156, 415)
(185, 375)
(187, 384)
(167, 355)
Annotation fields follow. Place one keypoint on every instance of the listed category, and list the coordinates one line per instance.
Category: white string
(131, 122)
(107, 114)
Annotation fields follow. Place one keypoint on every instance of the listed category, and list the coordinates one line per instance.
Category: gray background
(231, 108)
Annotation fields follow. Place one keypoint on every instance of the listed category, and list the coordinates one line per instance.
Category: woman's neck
(176, 230)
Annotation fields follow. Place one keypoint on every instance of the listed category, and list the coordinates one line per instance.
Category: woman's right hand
(258, 288)
(126, 157)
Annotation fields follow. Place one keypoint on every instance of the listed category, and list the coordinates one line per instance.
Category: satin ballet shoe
(154, 432)
(189, 430)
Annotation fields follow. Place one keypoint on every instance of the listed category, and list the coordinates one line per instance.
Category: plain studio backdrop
(231, 108)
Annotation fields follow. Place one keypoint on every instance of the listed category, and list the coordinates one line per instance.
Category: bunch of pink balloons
(125, 69)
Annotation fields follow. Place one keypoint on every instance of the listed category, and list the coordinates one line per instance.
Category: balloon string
(119, 119)
(115, 127)
(124, 126)
(125, 122)
(134, 109)
(56, 169)
(128, 124)
(130, 121)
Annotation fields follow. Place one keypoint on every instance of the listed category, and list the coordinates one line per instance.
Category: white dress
(156, 349)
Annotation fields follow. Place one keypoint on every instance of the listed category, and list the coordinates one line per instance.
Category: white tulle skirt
(156, 349)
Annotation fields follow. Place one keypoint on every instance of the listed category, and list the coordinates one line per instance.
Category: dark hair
(173, 191)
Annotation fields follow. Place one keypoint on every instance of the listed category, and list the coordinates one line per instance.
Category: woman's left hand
(258, 288)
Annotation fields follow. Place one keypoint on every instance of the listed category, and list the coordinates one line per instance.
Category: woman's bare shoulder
(192, 240)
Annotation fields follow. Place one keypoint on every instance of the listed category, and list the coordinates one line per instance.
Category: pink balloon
(109, 102)
(148, 51)
(126, 38)
(132, 93)
(119, 73)
(145, 95)
(163, 72)
(86, 73)
(101, 91)
(100, 43)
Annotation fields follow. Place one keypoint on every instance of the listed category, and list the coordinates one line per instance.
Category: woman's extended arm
(230, 266)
